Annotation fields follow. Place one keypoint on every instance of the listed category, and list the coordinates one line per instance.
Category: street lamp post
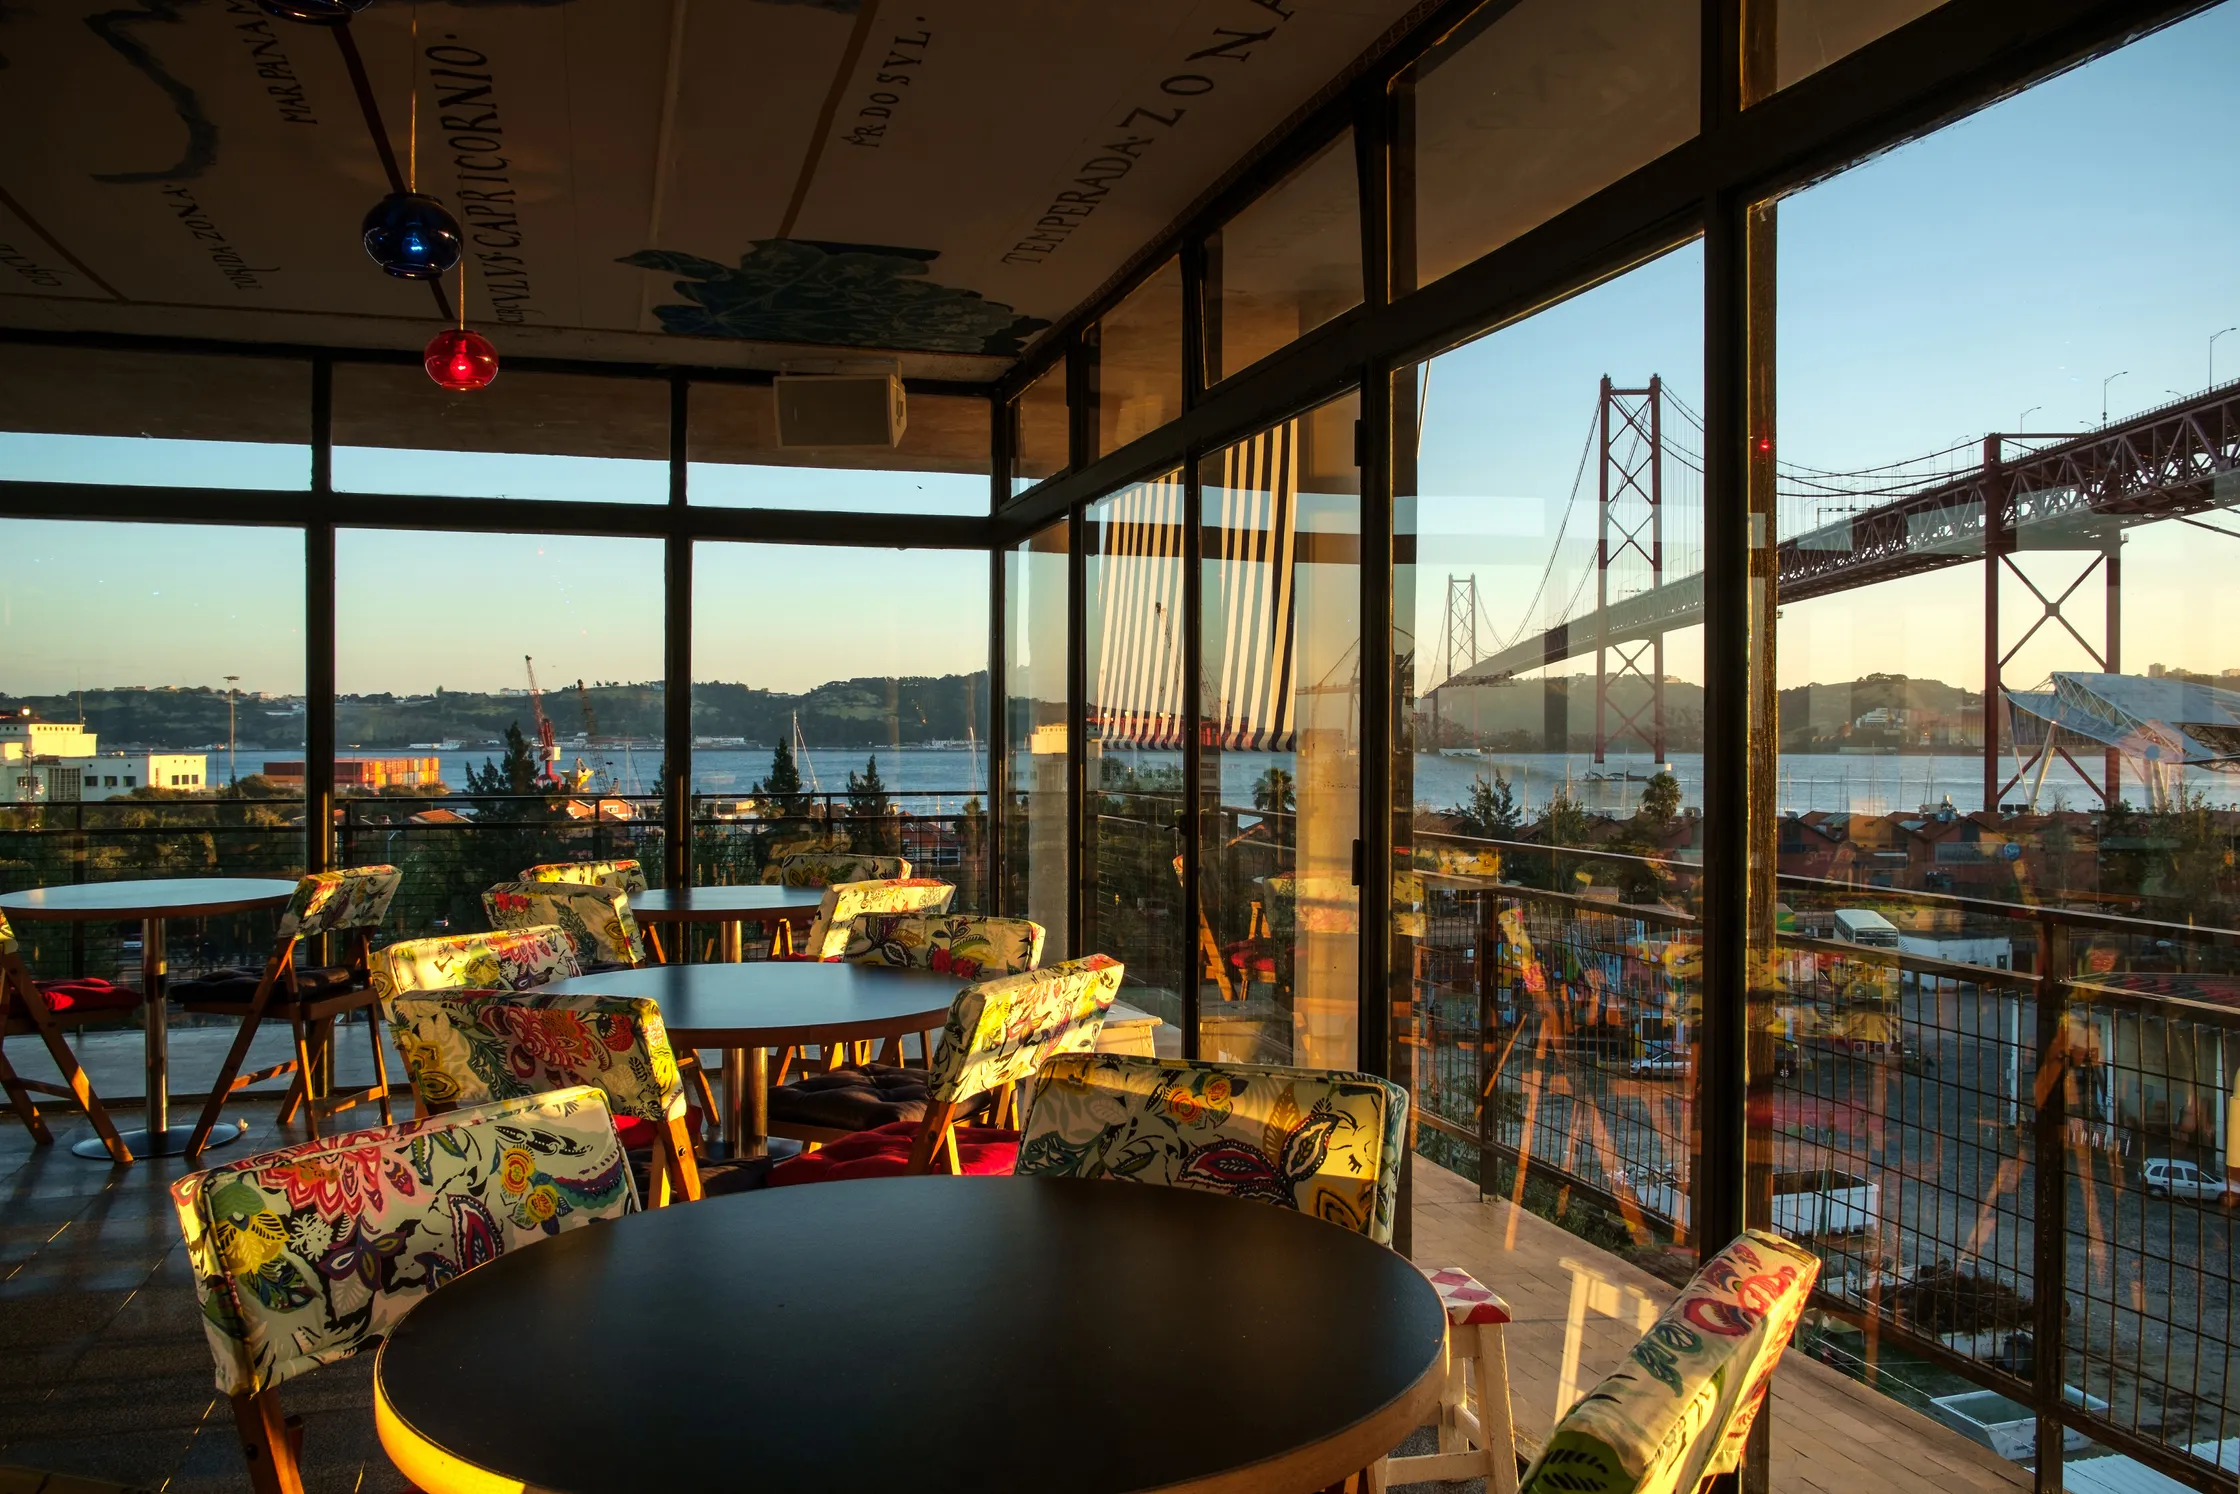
(2104, 383)
(2213, 354)
(2022, 421)
(233, 768)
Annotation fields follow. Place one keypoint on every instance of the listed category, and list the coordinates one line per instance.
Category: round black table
(933, 1334)
(728, 907)
(748, 1009)
(151, 902)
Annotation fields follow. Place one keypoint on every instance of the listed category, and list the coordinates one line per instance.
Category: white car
(2167, 1177)
(1660, 1061)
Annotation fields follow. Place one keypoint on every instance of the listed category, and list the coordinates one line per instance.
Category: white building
(21, 737)
(64, 780)
(54, 762)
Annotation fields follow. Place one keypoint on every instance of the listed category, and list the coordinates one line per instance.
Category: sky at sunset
(1988, 277)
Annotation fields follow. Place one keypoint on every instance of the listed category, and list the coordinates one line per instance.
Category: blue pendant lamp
(412, 236)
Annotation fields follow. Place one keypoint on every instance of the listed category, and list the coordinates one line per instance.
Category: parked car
(1659, 1061)
(2174, 1177)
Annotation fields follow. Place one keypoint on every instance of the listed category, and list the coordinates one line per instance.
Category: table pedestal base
(169, 1143)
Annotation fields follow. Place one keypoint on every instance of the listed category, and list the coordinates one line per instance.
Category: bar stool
(1471, 1445)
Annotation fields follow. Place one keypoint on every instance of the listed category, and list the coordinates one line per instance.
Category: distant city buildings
(365, 774)
(60, 762)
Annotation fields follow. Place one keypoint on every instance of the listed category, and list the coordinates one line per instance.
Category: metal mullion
(1003, 432)
(1378, 708)
(319, 633)
(1722, 1047)
(676, 644)
(1193, 745)
(1077, 731)
(219, 347)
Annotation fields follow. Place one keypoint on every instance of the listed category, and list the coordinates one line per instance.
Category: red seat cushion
(89, 995)
(638, 1133)
(982, 1151)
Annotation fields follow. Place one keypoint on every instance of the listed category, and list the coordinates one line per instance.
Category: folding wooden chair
(26, 1006)
(352, 903)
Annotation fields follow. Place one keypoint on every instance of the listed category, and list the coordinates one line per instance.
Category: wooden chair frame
(312, 1022)
(25, 1008)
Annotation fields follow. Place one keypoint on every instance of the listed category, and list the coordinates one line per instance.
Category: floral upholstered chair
(623, 876)
(824, 868)
(350, 903)
(966, 944)
(507, 960)
(1322, 1142)
(48, 1009)
(1677, 1413)
(475, 1047)
(999, 1032)
(845, 902)
(596, 916)
(308, 1255)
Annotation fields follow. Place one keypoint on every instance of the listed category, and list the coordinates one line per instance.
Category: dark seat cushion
(878, 1094)
(240, 985)
(87, 995)
(982, 1151)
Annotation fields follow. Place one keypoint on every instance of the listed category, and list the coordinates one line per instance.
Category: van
(1864, 926)
(2169, 1177)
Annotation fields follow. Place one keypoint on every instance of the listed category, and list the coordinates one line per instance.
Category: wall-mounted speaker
(839, 409)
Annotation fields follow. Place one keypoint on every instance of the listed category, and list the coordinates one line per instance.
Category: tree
(870, 810)
(1660, 805)
(518, 774)
(1493, 812)
(1275, 793)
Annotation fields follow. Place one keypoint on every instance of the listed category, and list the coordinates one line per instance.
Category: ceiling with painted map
(713, 183)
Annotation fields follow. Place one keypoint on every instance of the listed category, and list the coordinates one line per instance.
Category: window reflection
(1139, 361)
(940, 466)
(1286, 264)
(1526, 110)
(1035, 674)
(528, 435)
(153, 419)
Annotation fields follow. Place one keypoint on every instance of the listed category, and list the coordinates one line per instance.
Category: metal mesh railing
(1901, 1096)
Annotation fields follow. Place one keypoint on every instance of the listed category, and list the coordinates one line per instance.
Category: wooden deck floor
(1577, 1310)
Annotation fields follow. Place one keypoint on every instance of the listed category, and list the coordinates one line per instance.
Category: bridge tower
(1461, 640)
(2097, 549)
(1630, 533)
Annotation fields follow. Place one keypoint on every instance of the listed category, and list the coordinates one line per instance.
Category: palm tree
(1274, 793)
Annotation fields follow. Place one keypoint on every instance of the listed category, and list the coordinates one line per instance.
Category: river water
(1859, 783)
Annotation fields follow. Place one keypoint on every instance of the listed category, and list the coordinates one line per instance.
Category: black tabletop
(931, 1334)
(163, 897)
(776, 1003)
(723, 904)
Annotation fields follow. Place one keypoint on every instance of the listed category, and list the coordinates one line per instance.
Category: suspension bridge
(1838, 531)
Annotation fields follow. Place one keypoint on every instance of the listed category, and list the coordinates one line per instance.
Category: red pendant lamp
(459, 358)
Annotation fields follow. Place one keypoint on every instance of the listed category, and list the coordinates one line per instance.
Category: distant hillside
(867, 712)
(1519, 715)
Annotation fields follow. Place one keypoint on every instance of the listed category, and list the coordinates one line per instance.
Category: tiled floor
(104, 1372)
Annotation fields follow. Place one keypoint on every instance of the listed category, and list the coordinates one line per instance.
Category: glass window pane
(1132, 847)
(1034, 677)
(162, 669)
(1519, 116)
(862, 674)
(153, 419)
(1139, 361)
(1523, 727)
(1280, 764)
(1042, 430)
(940, 467)
(528, 435)
(2004, 681)
(442, 762)
(1810, 34)
(1286, 264)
